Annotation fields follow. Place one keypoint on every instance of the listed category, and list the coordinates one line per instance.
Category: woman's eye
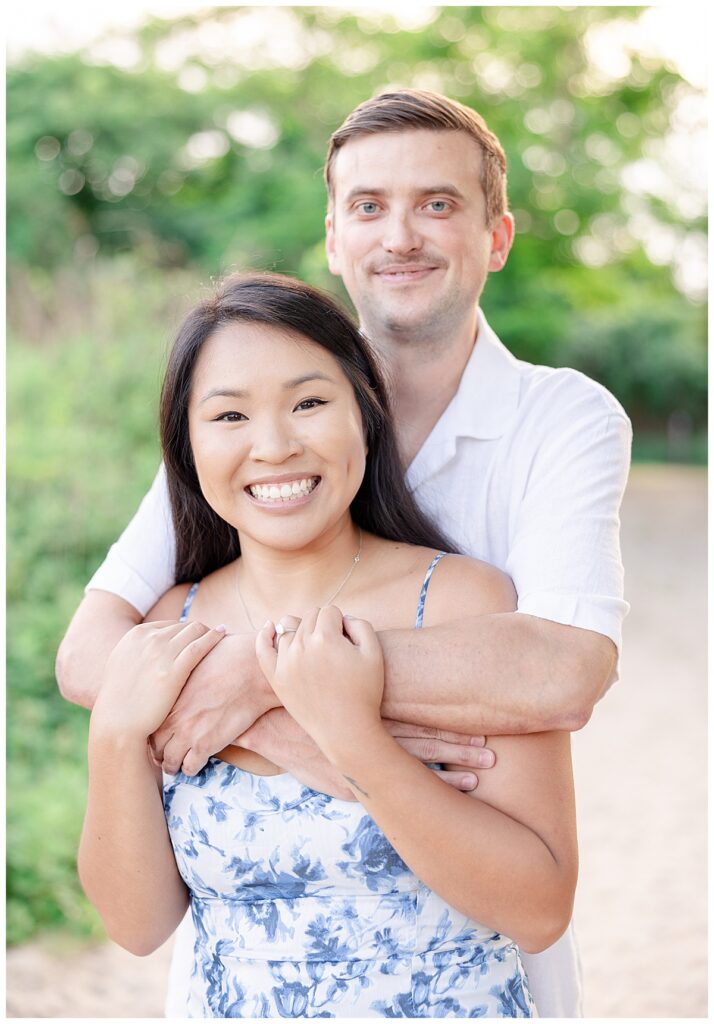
(310, 403)
(230, 417)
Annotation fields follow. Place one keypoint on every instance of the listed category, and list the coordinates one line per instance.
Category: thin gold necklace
(329, 601)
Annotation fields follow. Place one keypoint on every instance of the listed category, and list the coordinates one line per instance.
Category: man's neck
(423, 384)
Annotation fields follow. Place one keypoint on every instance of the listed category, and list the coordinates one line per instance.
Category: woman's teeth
(288, 491)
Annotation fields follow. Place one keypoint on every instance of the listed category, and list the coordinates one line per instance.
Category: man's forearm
(98, 625)
(496, 674)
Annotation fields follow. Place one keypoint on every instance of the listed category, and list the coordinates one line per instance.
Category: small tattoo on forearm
(357, 787)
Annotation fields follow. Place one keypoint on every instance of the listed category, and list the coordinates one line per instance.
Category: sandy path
(640, 769)
(641, 782)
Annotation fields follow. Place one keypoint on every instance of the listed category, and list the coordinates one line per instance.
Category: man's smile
(404, 273)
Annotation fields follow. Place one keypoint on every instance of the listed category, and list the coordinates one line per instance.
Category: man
(522, 466)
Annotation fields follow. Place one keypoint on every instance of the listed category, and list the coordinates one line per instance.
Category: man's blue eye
(368, 208)
(439, 205)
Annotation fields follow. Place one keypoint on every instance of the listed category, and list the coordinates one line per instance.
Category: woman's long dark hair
(383, 504)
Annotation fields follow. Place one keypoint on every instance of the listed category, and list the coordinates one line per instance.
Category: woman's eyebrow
(223, 393)
(289, 385)
(305, 378)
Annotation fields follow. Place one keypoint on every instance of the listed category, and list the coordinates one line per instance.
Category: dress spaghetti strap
(420, 608)
(425, 587)
(188, 602)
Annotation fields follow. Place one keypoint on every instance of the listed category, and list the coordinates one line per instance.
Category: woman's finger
(265, 651)
(308, 623)
(361, 633)
(196, 650)
(188, 632)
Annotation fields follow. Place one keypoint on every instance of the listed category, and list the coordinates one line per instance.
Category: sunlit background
(152, 147)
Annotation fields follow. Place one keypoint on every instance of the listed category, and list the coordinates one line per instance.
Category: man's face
(407, 233)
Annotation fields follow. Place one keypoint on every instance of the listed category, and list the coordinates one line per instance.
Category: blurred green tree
(206, 148)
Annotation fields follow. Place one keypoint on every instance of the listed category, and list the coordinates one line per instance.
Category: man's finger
(193, 762)
(431, 750)
(158, 741)
(173, 755)
(465, 781)
(396, 728)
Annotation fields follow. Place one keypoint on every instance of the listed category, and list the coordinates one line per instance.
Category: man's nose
(274, 441)
(401, 234)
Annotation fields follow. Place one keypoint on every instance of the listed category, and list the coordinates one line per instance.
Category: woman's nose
(274, 442)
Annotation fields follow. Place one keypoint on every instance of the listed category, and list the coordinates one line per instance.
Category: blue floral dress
(302, 908)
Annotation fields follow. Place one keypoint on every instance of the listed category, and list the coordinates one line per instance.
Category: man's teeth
(284, 492)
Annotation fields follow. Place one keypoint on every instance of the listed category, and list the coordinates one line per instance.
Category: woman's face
(276, 434)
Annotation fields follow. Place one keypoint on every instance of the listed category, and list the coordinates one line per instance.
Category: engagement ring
(280, 629)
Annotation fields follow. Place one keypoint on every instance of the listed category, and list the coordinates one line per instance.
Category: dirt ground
(640, 768)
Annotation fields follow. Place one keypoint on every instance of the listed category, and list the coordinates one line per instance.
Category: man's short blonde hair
(411, 109)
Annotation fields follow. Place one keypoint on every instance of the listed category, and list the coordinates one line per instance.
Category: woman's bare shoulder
(170, 605)
(461, 587)
(213, 587)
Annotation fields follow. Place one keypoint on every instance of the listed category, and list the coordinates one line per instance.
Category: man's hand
(280, 739)
(460, 754)
(223, 697)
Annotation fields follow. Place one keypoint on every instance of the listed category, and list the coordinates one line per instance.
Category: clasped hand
(227, 699)
(328, 673)
(146, 672)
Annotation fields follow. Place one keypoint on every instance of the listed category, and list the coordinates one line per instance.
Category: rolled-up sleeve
(140, 566)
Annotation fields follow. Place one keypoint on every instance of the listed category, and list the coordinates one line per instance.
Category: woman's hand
(145, 673)
(328, 674)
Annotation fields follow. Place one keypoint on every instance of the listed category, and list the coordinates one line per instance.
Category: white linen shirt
(525, 469)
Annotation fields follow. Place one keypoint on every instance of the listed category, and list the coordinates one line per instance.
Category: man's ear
(501, 242)
(330, 247)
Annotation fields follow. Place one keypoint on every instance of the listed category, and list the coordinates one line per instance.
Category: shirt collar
(487, 396)
(482, 408)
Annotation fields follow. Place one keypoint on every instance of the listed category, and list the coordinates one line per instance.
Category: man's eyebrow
(289, 385)
(364, 190)
(443, 190)
(430, 190)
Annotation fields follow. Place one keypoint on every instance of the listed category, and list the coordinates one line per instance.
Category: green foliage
(82, 452)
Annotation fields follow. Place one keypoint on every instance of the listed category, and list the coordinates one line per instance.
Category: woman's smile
(275, 431)
(280, 494)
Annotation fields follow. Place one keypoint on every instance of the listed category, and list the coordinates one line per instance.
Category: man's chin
(411, 319)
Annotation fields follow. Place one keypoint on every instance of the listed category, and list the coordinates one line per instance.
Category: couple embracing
(380, 583)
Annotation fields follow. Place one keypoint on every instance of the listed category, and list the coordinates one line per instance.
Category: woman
(290, 508)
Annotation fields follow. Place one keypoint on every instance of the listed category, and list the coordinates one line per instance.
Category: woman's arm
(506, 857)
(509, 860)
(126, 862)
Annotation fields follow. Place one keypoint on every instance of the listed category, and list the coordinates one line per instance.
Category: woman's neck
(274, 582)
